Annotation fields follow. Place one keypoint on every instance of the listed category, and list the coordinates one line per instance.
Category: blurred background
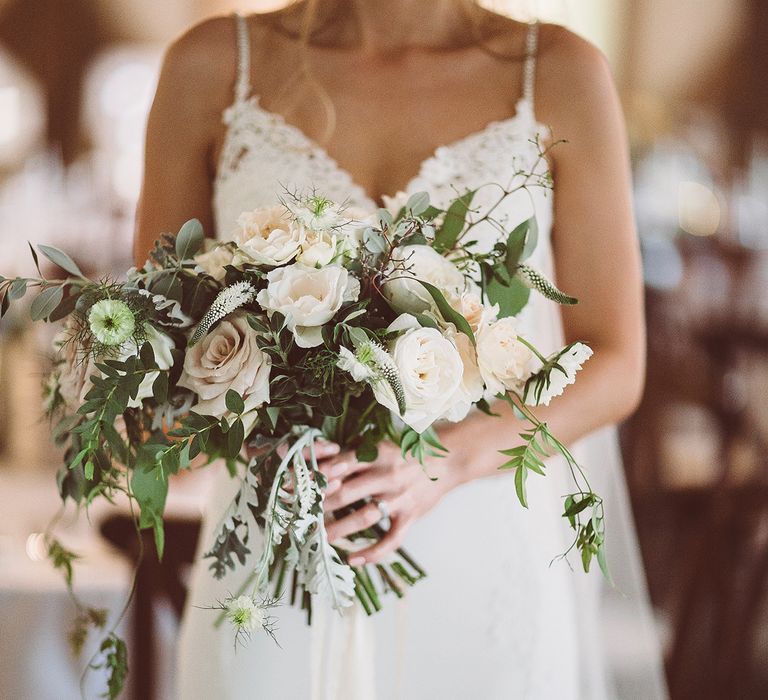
(76, 82)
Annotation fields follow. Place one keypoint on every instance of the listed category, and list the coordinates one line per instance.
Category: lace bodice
(262, 154)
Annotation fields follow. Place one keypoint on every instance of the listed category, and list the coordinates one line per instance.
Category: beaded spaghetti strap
(243, 82)
(529, 67)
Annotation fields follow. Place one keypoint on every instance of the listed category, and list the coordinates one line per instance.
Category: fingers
(361, 519)
(384, 547)
(343, 463)
(373, 482)
(323, 450)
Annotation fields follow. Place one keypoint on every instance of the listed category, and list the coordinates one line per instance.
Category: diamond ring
(385, 522)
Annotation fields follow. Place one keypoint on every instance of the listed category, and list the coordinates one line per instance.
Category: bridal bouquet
(314, 322)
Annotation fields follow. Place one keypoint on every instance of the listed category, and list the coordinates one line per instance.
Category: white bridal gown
(493, 619)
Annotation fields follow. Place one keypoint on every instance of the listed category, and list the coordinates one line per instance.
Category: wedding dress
(493, 619)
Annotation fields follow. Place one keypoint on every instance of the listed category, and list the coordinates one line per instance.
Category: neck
(389, 26)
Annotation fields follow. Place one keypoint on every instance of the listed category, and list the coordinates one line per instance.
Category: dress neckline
(523, 114)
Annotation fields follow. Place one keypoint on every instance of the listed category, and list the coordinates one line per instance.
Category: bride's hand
(402, 483)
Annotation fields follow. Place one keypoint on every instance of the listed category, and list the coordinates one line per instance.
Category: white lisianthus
(551, 381)
(229, 357)
(503, 360)
(470, 389)
(162, 345)
(267, 236)
(430, 370)
(421, 262)
(308, 298)
(349, 362)
(215, 257)
(318, 249)
(245, 614)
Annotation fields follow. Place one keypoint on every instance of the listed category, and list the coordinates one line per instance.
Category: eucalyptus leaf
(418, 203)
(531, 240)
(150, 492)
(17, 289)
(44, 304)
(189, 240)
(60, 258)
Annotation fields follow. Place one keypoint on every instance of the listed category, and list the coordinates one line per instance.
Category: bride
(364, 99)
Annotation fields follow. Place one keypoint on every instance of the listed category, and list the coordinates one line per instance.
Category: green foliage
(525, 458)
(448, 312)
(58, 257)
(421, 445)
(150, 489)
(189, 239)
(62, 559)
(454, 223)
(115, 660)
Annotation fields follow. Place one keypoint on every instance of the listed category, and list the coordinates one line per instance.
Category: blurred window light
(699, 209)
(22, 113)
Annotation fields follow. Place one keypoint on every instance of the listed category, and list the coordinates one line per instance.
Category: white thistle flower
(348, 362)
(228, 300)
(245, 614)
(317, 213)
(111, 321)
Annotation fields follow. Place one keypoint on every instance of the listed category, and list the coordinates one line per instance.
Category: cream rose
(308, 298)
(503, 360)
(430, 370)
(424, 263)
(213, 260)
(227, 358)
(267, 236)
(471, 307)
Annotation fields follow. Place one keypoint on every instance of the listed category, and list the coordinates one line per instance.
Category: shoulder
(575, 90)
(200, 65)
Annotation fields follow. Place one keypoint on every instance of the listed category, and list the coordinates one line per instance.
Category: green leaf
(374, 242)
(160, 387)
(531, 240)
(66, 307)
(17, 289)
(521, 474)
(235, 437)
(35, 258)
(511, 298)
(189, 239)
(60, 258)
(448, 312)
(453, 225)
(234, 402)
(515, 246)
(367, 452)
(150, 491)
(44, 304)
(418, 203)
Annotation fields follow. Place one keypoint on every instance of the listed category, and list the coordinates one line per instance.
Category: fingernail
(333, 486)
(356, 561)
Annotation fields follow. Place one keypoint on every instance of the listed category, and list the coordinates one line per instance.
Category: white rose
(227, 358)
(470, 389)
(570, 359)
(424, 263)
(308, 298)
(267, 237)
(162, 345)
(213, 260)
(502, 358)
(430, 370)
